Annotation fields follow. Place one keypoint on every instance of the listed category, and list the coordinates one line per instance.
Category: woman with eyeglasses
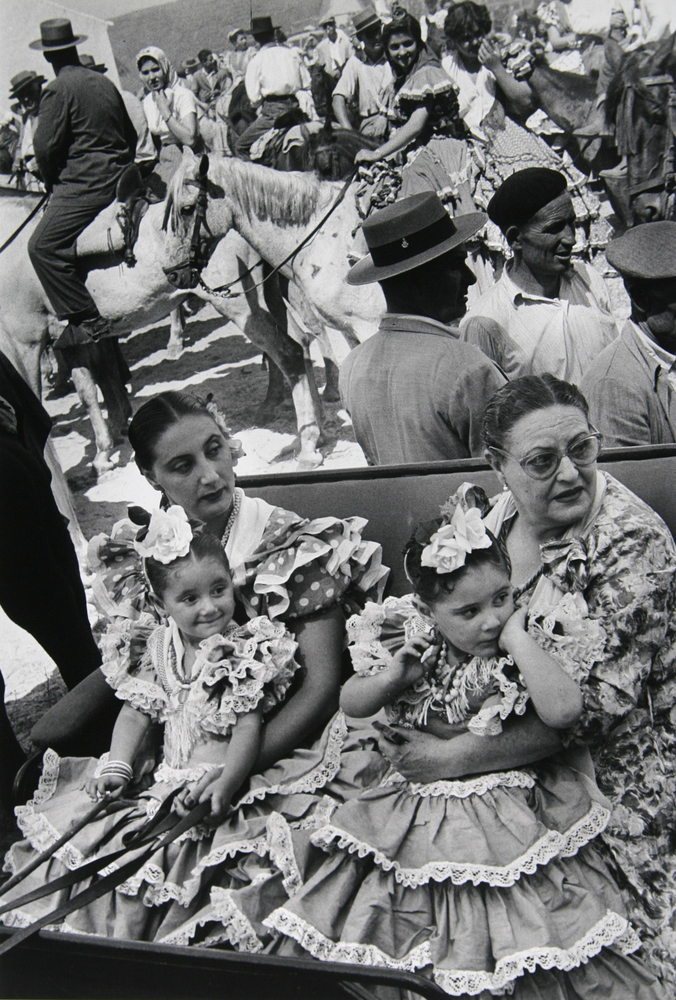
(595, 567)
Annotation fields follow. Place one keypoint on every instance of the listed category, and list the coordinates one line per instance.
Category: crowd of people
(487, 794)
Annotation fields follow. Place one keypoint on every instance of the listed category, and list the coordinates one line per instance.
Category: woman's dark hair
(204, 545)
(156, 416)
(431, 585)
(405, 24)
(465, 19)
(522, 396)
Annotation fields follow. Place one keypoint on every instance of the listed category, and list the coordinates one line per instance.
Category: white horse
(133, 297)
(274, 211)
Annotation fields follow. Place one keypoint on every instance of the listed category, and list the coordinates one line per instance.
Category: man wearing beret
(545, 313)
(414, 391)
(631, 386)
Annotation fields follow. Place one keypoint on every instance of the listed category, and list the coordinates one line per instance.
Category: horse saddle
(133, 199)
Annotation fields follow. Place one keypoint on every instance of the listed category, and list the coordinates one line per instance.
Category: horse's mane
(287, 199)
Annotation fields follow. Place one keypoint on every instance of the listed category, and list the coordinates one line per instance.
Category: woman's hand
(420, 758)
(489, 55)
(513, 630)
(366, 156)
(413, 661)
(96, 788)
(162, 104)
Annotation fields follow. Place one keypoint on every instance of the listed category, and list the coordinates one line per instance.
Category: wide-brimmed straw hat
(55, 34)
(23, 80)
(90, 63)
(262, 26)
(647, 251)
(233, 36)
(191, 64)
(409, 233)
(366, 21)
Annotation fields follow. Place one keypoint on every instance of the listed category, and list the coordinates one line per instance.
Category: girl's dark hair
(204, 545)
(431, 585)
(467, 18)
(403, 23)
(522, 396)
(156, 416)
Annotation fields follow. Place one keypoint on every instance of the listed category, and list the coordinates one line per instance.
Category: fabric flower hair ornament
(165, 535)
(451, 544)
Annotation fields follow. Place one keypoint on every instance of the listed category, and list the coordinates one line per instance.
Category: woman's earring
(505, 488)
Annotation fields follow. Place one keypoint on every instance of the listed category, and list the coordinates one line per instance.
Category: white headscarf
(152, 52)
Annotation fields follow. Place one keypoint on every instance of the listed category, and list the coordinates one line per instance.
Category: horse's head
(189, 243)
(641, 104)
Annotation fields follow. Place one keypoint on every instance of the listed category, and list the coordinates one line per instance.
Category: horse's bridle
(201, 246)
(666, 181)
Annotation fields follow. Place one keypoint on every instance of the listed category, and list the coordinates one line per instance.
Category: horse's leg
(278, 395)
(86, 390)
(176, 332)
(64, 501)
(331, 390)
(110, 372)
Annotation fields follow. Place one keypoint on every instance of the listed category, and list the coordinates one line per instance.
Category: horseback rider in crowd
(241, 55)
(363, 82)
(83, 143)
(26, 89)
(334, 50)
(276, 82)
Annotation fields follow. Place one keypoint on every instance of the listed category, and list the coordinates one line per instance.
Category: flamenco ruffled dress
(252, 669)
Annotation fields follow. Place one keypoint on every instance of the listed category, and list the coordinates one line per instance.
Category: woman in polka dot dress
(306, 574)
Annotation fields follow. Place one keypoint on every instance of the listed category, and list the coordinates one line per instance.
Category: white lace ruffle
(240, 932)
(611, 930)
(553, 844)
(318, 777)
(280, 847)
(178, 775)
(462, 789)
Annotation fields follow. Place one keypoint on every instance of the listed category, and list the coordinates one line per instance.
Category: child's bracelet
(119, 768)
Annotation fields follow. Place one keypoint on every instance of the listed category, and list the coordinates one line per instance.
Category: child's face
(199, 596)
(473, 615)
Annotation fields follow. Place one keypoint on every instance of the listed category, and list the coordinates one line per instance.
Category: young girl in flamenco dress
(211, 683)
(491, 884)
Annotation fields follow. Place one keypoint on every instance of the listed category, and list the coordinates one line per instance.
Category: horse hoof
(307, 463)
(102, 463)
(174, 351)
(332, 396)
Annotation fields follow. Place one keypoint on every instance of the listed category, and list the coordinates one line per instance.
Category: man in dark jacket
(83, 142)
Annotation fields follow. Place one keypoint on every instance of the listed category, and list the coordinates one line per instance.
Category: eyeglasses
(545, 464)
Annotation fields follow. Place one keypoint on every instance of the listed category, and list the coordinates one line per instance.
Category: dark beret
(647, 251)
(523, 194)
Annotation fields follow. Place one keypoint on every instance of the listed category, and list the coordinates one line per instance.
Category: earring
(505, 488)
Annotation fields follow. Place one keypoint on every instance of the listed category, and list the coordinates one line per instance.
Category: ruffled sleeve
(128, 666)
(119, 588)
(304, 566)
(425, 86)
(251, 667)
(375, 635)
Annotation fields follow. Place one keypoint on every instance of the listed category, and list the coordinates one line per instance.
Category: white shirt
(366, 84)
(334, 55)
(181, 104)
(275, 71)
(476, 93)
(529, 334)
(438, 19)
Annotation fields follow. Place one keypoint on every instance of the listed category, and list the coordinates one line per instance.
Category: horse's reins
(25, 222)
(197, 258)
(667, 178)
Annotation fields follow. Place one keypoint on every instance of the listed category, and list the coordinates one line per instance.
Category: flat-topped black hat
(365, 21)
(409, 233)
(647, 251)
(55, 34)
(523, 194)
(23, 80)
(90, 63)
(262, 26)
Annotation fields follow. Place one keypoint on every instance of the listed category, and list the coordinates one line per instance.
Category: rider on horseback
(83, 143)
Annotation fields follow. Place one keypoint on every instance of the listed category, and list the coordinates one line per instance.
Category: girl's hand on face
(162, 103)
(414, 660)
(489, 55)
(366, 156)
(514, 627)
(96, 788)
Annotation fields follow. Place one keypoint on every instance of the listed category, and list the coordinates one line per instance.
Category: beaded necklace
(229, 524)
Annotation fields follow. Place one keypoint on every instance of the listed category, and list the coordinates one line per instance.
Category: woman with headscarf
(170, 108)
(428, 129)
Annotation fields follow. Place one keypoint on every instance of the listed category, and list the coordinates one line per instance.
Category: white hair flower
(168, 537)
(449, 546)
